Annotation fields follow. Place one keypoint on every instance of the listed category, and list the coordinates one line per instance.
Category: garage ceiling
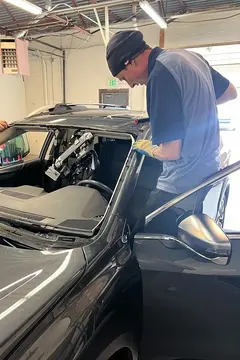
(76, 14)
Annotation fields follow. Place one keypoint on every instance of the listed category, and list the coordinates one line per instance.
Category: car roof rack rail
(62, 108)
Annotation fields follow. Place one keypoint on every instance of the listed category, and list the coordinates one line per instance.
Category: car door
(190, 303)
(20, 159)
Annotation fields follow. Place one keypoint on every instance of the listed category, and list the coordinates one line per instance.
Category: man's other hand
(3, 125)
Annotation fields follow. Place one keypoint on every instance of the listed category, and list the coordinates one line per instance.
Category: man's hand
(144, 147)
(3, 125)
(169, 151)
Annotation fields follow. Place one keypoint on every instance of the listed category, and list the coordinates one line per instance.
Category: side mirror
(202, 235)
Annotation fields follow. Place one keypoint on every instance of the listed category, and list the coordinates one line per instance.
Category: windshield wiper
(39, 241)
(37, 226)
(20, 236)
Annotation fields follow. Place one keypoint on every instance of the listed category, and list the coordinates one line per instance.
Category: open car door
(191, 296)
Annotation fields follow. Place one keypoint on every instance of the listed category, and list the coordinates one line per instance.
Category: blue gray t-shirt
(182, 90)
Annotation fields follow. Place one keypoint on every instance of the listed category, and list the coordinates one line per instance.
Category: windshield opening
(66, 188)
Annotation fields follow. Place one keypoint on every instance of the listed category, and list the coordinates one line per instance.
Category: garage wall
(44, 85)
(87, 70)
(12, 97)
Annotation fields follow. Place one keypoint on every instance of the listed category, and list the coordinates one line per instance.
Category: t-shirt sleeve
(164, 106)
(219, 81)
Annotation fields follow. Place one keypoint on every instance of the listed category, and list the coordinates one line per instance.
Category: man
(183, 91)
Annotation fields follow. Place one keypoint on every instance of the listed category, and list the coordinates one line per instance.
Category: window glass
(231, 204)
(24, 147)
(222, 201)
(230, 140)
(35, 140)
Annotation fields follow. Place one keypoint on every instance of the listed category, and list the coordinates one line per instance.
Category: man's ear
(133, 63)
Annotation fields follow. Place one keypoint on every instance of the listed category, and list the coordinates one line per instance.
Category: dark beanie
(124, 46)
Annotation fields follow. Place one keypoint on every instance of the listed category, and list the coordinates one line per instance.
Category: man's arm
(229, 94)
(224, 90)
(166, 114)
(168, 151)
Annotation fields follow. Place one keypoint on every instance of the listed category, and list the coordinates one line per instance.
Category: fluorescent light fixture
(26, 5)
(153, 14)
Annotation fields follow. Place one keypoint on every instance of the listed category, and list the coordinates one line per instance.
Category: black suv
(83, 273)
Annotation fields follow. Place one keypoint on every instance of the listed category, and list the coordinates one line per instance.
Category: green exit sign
(112, 82)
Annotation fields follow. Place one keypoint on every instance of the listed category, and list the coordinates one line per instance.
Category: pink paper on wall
(22, 57)
(1, 69)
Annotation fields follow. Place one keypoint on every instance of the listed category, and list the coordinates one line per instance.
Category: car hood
(30, 281)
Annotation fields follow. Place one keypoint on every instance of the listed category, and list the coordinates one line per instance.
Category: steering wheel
(96, 185)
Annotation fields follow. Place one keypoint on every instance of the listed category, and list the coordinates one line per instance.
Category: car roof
(106, 119)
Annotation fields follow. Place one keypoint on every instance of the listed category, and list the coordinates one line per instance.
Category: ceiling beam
(3, 31)
(63, 21)
(9, 12)
(205, 12)
(101, 5)
(109, 11)
(21, 23)
(74, 2)
(182, 5)
(161, 8)
(31, 26)
(51, 15)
